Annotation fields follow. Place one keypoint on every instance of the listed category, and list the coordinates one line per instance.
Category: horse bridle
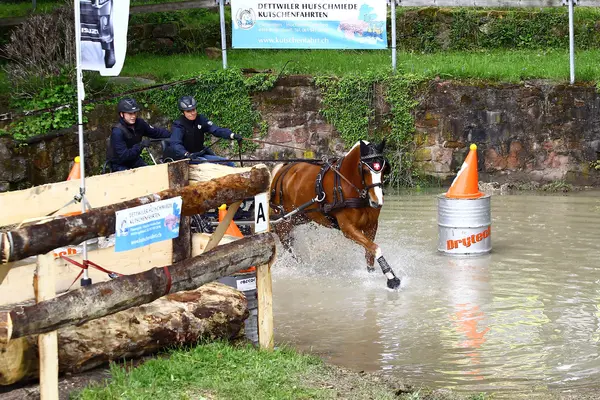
(364, 192)
(376, 168)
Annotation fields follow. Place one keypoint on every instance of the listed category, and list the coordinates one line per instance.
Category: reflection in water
(525, 317)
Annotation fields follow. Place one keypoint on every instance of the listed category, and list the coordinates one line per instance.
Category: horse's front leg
(369, 256)
(353, 233)
(283, 230)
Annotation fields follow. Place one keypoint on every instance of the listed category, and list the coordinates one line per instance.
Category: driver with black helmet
(187, 140)
(126, 143)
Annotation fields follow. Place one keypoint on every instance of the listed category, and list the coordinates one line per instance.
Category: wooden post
(218, 234)
(182, 245)
(264, 285)
(4, 271)
(45, 288)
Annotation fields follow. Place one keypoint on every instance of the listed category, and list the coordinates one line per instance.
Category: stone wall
(531, 131)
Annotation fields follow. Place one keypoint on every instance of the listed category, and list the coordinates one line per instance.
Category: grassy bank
(499, 65)
(222, 371)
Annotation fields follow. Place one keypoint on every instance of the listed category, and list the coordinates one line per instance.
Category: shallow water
(525, 317)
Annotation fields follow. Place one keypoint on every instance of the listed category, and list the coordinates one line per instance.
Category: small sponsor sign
(147, 224)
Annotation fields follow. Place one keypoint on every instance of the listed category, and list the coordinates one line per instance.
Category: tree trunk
(41, 238)
(213, 311)
(105, 298)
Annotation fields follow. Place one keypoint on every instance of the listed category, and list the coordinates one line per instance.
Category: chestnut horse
(346, 194)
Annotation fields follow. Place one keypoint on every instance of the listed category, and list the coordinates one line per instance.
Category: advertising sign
(150, 223)
(103, 25)
(317, 24)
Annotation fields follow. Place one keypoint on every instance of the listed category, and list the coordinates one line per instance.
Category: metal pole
(393, 4)
(34, 4)
(571, 42)
(223, 37)
(80, 96)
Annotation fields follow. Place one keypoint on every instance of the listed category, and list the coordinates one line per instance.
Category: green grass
(11, 10)
(507, 66)
(222, 371)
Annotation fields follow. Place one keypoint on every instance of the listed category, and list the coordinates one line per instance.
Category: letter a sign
(261, 213)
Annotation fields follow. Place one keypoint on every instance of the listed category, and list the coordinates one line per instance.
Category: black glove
(145, 143)
(235, 136)
(196, 155)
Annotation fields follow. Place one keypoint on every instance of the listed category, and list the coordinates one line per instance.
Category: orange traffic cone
(466, 183)
(75, 170)
(232, 230)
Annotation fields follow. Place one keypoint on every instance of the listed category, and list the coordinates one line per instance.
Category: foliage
(348, 106)
(595, 165)
(557, 186)
(197, 29)
(62, 94)
(223, 96)
(434, 29)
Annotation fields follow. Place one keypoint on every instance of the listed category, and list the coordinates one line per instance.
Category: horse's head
(372, 167)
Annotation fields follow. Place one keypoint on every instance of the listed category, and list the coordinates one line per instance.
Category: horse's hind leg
(352, 232)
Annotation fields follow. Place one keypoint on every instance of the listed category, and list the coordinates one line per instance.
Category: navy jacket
(188, 136)
(125, 146)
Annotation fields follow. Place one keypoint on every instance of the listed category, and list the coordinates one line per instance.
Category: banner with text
(317, 24)
(150, 223)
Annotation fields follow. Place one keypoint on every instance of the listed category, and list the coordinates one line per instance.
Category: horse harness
(339, 200)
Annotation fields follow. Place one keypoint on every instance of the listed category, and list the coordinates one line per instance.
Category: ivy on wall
(223, 96)
(348, 106)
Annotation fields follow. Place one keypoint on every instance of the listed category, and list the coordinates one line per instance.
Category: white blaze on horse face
(376, 178)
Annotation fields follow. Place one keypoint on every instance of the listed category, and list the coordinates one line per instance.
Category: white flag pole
(85, 280)
(393, 5)
(571, 43)
(223, 36)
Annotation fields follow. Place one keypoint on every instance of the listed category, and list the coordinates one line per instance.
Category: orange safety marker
(232, 230)
(75, 170)
(466, 183)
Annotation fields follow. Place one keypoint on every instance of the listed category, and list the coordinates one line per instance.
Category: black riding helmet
(128, 105)
(187, 103)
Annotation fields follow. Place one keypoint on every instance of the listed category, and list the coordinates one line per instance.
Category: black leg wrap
(385, 267)
(394, 282)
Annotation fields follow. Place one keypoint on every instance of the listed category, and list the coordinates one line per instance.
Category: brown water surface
(525, 317)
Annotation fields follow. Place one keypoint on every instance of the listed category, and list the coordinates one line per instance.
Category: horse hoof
(370, 270)
(393, 283)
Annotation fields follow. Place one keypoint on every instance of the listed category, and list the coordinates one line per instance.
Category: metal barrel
(465, 225)
(246, 283)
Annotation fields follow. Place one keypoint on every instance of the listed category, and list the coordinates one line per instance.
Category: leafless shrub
(42, 47)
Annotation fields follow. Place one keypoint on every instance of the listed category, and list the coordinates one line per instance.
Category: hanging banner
(320, 24)
(150, 223)
(103, 26)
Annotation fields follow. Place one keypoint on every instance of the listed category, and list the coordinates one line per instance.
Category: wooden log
(41, 238)
(105, 298)
(213, 311)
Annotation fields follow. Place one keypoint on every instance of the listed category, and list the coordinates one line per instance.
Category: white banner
(104, 26)
(310, 24)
